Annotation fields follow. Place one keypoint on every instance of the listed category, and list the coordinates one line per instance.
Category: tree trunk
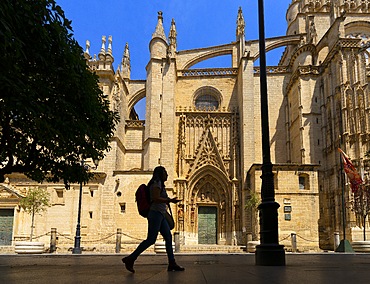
(32, 222)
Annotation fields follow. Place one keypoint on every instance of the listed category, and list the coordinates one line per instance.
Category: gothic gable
(207, 153)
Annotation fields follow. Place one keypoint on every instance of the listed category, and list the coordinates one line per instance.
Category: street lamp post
(77, 246)
(269, 252)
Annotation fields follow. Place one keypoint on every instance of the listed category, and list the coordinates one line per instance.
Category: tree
(52, 112)
(36, 201)
(251, 204)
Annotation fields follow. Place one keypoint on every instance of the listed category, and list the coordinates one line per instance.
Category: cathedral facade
(204, 126)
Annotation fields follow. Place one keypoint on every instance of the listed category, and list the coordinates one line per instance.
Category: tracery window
(207, 99)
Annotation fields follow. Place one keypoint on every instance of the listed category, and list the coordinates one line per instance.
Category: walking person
(156, 222)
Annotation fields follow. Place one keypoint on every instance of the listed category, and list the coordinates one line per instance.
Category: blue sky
(199, 23)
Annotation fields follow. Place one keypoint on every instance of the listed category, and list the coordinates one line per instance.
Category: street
(200, 268)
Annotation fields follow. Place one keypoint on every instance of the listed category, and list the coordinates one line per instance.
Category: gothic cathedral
(203, 125)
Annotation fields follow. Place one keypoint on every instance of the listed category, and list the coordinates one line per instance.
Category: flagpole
(344, 221)
(344, 245)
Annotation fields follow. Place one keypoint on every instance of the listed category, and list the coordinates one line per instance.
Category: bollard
(118, 240)
(53, 240)
(294, 242)
(177, 241)
(336, 240)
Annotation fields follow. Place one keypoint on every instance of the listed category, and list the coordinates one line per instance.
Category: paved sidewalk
(329, 268)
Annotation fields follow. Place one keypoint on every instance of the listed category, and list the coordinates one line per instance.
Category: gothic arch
(302, 53)
(208, 90)
(279, 42)
(206, 174)
(211, 54)
(357, 28)
(210, 187)
(134, 98)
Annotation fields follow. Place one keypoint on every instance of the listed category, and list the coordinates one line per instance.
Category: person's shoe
(129, 263)
(172, 266)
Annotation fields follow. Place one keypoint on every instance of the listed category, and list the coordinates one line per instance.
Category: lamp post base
(76, 251)
(77, 248)
(344, 246)
(270, 255)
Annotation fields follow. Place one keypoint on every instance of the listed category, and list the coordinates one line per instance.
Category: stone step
(212, 248)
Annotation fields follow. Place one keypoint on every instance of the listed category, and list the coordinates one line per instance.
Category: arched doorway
(210, 208)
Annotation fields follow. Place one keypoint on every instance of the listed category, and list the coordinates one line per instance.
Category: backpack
(143, 200)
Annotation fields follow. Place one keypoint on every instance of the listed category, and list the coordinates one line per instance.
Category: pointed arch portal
(210, 203)
(207, 161)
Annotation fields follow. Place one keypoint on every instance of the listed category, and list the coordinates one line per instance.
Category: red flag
(352, 174)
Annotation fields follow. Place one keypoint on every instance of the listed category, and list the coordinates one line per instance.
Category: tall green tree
(52, 111)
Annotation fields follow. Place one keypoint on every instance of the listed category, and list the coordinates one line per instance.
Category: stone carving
(208, 72)
(173, 40)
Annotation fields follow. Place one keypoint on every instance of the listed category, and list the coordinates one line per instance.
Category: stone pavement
(300, 268)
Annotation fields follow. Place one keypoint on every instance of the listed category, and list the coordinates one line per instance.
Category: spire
(240, 34)
(109, 55)
(110, 45)
(126, 56)
(87, 51)
(125, 64)
(102, 49)
(173, 39)
(159, 30)
(240, 24)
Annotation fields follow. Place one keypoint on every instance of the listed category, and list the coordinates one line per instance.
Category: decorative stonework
(207, 72)
(273, 69)
(206, 139)
(135, 123)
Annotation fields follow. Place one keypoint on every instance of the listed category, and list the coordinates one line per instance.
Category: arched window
(207, 99)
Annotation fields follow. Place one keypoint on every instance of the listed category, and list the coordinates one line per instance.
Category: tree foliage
(52, 111)
(36, 201)
(253, 201)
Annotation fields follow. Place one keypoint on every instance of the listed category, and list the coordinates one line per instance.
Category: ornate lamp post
(77, 246)
(269, 252)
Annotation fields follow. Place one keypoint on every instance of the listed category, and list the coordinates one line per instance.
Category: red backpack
(143, 200)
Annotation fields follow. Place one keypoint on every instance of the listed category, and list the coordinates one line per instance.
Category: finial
(240, 23)
(126, 53)
(173, 39)
(110, 45)
(173, 33)
(87, 51)
(126, 56)
(159, 30)
(103, 39)
(126, 65)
